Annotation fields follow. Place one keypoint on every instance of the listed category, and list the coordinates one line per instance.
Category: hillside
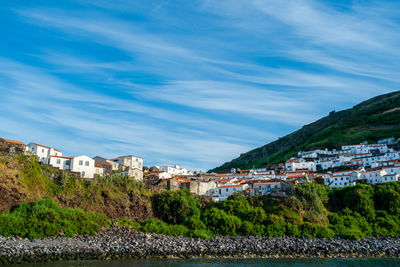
(23, 179)
(370, 121)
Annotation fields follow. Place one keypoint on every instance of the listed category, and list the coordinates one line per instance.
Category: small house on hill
(12, 147)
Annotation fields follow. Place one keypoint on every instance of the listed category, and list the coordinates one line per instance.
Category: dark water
(373, 262)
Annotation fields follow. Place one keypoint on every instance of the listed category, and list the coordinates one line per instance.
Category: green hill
(370, 121)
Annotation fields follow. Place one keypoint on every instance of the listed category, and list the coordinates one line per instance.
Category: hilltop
(370, 121)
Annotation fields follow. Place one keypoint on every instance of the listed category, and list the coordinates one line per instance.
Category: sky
(193, 83)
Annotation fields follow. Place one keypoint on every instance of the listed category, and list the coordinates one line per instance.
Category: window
(43, 150)
(227, 190)
(220, 192)
(87, 163)
(80, 162)
(83, 174)
(67, 163)
(58, 161)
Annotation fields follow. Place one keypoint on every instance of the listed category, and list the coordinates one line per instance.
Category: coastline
(118, 242)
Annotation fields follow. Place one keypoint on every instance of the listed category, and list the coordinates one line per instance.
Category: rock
(118, 242)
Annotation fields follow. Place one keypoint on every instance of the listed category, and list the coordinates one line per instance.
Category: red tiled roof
(180, 180)
(228, 186)
(223, 180)
(13, 141)
(373, 171)
(267, 183)
(61, 157)
(41, 145)
(98, 166)
(346, 171)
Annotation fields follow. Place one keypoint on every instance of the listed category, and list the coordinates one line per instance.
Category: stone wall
(11, 148)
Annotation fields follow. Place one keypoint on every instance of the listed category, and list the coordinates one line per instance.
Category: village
(359, 163)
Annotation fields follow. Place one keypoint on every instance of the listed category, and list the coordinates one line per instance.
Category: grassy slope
(23, 179)
(363, 122)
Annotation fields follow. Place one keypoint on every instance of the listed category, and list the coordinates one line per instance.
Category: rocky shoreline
(118, 242)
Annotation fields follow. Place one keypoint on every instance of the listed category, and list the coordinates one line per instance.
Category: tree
(175, 206)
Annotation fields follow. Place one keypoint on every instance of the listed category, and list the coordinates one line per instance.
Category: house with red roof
(222, 193)
(12, 147)
(43, 152)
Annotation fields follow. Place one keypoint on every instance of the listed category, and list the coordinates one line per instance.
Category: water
(356, 262)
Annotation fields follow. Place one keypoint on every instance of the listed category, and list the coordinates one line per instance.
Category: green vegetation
(45, 218)
(27, 180)
(364, 122)
(314, 211)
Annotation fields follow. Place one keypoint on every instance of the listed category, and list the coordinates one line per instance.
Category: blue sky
(193, 83)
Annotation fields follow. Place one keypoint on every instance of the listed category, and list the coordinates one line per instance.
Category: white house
(43, 152)
(175, 170)
(84, 165)
(265, 188)
(301, 164)
(339, 181)
(133, 172)
(98, 170)
(373, 177)
(223, 192)
(63, 163)
(130, 161)
(162, 175)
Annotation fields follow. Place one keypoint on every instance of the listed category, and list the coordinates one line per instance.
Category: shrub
(292, 230)
(177, 230)
(359, 199)
(220, 222)
(275, 226)
(205, 234)
(246, 228)
(45, 218)
(194, 223)
(175, 206)
(124, 222)
(307, 229)
(152, 225)
(351, 233)
(322, 231)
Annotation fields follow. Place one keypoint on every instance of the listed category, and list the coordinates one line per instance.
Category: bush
(177, 230)
(220, 222)
(307, 229)
(275, 226)
(359, 198)
(351, 233)
(175, 206)
(292, 230)
(322, 231)
(194, 223)
(152, 225)
(124, 222)
(204, 234)
(45, 218)
(246, 228)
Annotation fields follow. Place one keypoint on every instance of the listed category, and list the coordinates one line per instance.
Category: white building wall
(130, 161)
(176, 170)
(222, 193)
(40, 151)
(63, 163)
(84, 165)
